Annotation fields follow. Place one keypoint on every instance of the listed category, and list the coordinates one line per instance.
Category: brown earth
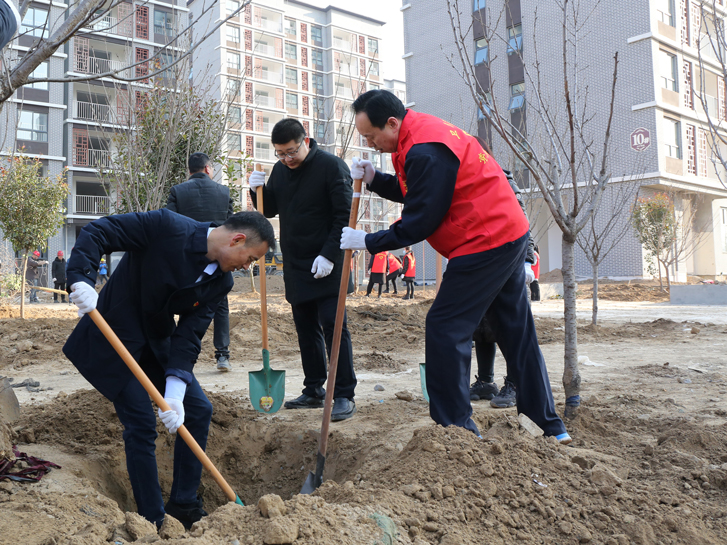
(648, 464)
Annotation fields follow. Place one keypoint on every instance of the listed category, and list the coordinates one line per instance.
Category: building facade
(660, 130)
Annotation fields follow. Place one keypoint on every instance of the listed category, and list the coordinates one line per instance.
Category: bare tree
(568, 153)
(606, 228)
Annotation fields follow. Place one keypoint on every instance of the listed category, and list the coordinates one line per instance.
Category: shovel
(158, 399)
(315, 480)
(423, 379)
(267, 387)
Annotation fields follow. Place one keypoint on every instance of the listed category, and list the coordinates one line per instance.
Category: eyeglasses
(290, 154)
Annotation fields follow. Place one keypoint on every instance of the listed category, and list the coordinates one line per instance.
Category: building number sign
(640, 139)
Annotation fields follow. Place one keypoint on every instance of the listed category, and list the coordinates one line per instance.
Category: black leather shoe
(187, 513)
(343, 409)
(304, 402)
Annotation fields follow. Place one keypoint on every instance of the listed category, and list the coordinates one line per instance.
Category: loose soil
(648, 464)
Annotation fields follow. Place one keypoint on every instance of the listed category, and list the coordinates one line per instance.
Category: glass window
(317, 58)
(233, 60)
(316, 34)
(163, 23)
(478, 4)
(232, 7)
(233, 86)
(486, 103)
(668, 70)
(291, 76)
(317, 81)
(514, 39)
(233, 34)
(33, 126)
(290, 27)
(320, 131)
(665, 11)
(291, 51)
(291, 101)
(517, 96)
(40, 72)
(373, 45)
(235, 115)
(34, 22)
(374, 68)
(481, 51)
(672, 138)
(234, 142)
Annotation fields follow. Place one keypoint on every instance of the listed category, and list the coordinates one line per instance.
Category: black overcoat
(202, 199)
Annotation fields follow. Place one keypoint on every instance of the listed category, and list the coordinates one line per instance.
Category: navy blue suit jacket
(153, 282)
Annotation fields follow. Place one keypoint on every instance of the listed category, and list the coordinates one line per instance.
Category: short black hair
(256, 226)
(197, 161)
(286, 130)
(379, 105)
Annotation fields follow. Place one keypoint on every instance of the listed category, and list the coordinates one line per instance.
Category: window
(291, 51)
(234, 142)
(316, 34)
(163, 23)
(374, 86)
(317, 81)
(320, 131)
(514, 39)
(672, 138)
(316, 56)
(481, 50)
(517, 96)
(665, 11)
(34, 22)
(232, 7)
(233, 86)
(668, 70)
(40, 72)
(374, 68)
(290, 28)
(478, 5)
(291, 76)
(318, 110)
(235, 115)
(373, 45)
(33, 126)
(233, 61)
(291, 101)
(167, 59)
(233, 34)
(486, 103)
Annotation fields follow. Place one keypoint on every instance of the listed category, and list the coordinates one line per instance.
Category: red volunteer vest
(379, 265)
(484, 213)
(536, 266)
(411, 271)
(394, 264)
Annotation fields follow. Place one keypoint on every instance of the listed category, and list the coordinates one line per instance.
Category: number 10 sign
(640, 139)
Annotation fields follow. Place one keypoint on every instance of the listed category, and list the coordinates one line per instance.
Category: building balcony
(264, 154)
(91, 111)
(267, 24)
(268, 75)
(92, 158)
(98, 65)
(93, 205)
(262, 100)
(263, 127)
(110, 23)
(264, 49)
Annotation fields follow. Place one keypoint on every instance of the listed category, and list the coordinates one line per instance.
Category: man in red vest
(377, 271)
(410, 272)
(457, 198)
(394, 271)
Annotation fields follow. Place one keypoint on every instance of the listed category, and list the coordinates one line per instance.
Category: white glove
(351, 239)
(257, 179)
(321, 267)
(362, 169)
(84, 296)
(174, 396)
(529, 274)
(54, 280)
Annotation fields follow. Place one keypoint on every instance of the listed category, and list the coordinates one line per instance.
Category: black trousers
(452, 320)
(221, 338)
(485, 353)
(314, 322)
(59, 286)
(409, 281)
(375, 278)
(391, 278)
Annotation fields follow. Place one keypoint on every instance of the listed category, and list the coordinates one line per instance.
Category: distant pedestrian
(409, 264)
(394, 271)
(58, 270)
(378, 266)
(32, 273)
(103, 272)
(535, 284)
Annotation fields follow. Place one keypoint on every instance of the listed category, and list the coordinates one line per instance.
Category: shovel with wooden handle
(158, 399)
(315, 480)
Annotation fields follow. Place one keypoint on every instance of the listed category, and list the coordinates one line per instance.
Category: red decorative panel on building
(339, 109)
(248, 92)
(259, 122)
(365, 155)
(304, 56)
(122, 106)
(143, 68)
(306, 126)
(304, 33)
(362, 67)
(702, 152)
(257, 15)
(279, 99)
(258, 68)
(722, 98)
(684, 16)
(279, 47)
(142, 22)
(691, 150)
(248, 119)
(305, 105)
(688, 90)
(248, 65)
(361, 44)
(80, 147)
(126, 20)
(304, 80)
(140, 100)
(248, 14)
(248, 40)
(81, 46)
(695, 23)
(249, 146)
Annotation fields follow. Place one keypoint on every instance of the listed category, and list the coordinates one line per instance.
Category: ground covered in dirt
(648, 464)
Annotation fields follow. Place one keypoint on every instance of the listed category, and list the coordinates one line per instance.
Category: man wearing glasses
(311, 191)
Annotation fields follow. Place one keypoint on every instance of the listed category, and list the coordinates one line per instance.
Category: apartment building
(660, 125)
(70, 124)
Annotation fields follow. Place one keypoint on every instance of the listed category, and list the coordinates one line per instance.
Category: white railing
(267, 24)
(99, 158)
(267, 75)
(90, 204)
(344, 92)
(712, 106)
(98, 65)
(262, 127)
(264, 154)
(105, 23)
(263, 49)
(262, 100)
(339, 43)
(91, 111)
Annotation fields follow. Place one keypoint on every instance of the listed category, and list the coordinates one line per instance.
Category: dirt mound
(625, 291)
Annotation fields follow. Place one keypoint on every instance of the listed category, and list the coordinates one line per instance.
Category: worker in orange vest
(410, 272)
(457, 197)
(394, 271)
(378, 266)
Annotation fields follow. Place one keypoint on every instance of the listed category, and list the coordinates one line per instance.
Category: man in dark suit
(172, 266)
(311, 191)
(203, 199)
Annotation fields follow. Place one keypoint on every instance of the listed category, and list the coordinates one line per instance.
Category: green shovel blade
(267, 387)
(423, 378)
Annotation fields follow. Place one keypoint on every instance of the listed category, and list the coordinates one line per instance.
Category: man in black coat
(203, 199)
(58, 269)
(311, 191)
(172, 266)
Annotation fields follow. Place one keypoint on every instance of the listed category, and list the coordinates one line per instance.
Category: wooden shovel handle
(159, 400)
(261, 273)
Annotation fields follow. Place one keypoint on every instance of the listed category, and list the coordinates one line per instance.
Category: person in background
(409, 264)
(394, 271)
(58, 270)
(378, 266)
(32, 274)
(103, 272)
(535, 284)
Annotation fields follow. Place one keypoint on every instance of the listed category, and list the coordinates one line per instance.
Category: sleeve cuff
(185, 376)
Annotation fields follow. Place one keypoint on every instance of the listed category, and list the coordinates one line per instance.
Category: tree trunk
(22, 287)
(594, 316)
(252, 279)
(661, 282)
(571, 376)
(668, 281)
